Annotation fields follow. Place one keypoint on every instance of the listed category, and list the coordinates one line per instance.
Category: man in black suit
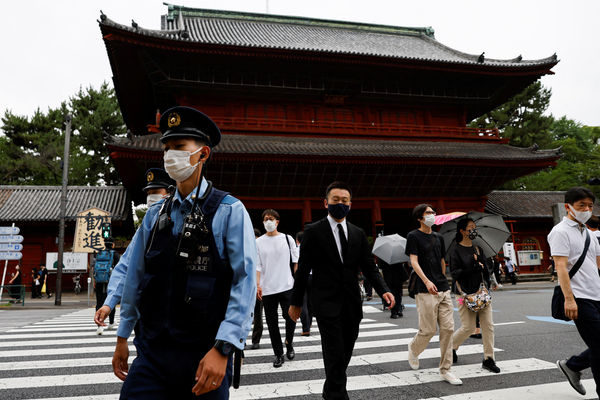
(336, 251)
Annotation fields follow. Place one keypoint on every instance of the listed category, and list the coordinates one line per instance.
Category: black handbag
(412, 284)
(558, 299)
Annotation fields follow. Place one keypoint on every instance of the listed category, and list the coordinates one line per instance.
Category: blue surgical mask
(339, 210)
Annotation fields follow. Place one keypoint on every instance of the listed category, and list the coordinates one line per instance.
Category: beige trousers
(467, 321)
(435, 310)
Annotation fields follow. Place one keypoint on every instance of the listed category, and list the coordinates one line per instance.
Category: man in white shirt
(277, 254)
(582, 291)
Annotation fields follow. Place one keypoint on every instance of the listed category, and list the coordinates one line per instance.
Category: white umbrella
(390, 248)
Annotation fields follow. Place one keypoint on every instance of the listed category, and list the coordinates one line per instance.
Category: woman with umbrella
(469, 269)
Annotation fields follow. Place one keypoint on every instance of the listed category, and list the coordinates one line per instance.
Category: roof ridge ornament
(481, 58)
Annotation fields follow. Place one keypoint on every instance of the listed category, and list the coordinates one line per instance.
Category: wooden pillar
(441, 207)
(306, 212)
(375, 215)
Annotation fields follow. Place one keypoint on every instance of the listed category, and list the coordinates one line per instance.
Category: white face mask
(177, 164)
(429, 220)
(270, 226)
(581, 216)
(153, 198)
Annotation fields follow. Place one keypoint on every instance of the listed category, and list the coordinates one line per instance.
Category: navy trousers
(588, 325)
(165, 371)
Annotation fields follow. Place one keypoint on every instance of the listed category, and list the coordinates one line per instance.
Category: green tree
(522, 119)
(31, 149)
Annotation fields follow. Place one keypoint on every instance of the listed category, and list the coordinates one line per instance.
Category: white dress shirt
(336, 235)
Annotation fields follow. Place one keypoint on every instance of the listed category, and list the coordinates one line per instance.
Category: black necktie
(343, 241)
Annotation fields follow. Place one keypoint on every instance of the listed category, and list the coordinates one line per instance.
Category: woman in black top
(469, 269)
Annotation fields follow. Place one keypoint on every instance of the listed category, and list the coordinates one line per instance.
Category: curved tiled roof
(42, 203)
(311, 35)
(523, 204)
(306, 146)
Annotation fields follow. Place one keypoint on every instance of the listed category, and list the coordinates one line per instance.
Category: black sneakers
(490, 365)
(279, 360)
(290, 353)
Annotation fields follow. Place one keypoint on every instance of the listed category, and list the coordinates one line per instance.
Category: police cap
(187, 122)
(157, 178)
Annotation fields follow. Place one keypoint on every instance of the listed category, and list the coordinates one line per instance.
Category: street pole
(63, 211)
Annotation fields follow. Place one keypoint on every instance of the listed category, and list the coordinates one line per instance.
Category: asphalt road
(54, 353)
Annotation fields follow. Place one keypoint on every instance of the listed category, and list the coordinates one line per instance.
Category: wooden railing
(333, 128)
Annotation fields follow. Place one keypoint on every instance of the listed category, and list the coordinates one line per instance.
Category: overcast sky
(51, 48)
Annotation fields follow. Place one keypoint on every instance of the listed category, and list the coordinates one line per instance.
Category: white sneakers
(109, 327)
(413, 360)
(450, 378)
(100, 330)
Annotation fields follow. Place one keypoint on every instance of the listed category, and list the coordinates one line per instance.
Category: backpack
(103, 266)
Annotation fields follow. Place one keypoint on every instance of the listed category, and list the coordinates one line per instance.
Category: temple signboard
(88, 232)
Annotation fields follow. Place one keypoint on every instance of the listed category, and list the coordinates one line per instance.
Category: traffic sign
(10, 255)
(11, 247)
(9, 230)
(11, 238)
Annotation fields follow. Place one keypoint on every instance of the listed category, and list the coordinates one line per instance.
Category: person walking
(510, 271)
(190, 287)
(257, 324)
(44, 280)
(16, 280)
(394, 276)
(306, 316)
(104, 264)
(426, 251)
(335, 251)
(573, 248)
(158, 185)
(36, 288)
(277, 258)
(469, 269)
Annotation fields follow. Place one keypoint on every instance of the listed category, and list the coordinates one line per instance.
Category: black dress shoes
(279, 360)
(290, 353)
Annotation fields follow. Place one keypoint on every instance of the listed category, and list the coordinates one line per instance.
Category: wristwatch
(224, 347)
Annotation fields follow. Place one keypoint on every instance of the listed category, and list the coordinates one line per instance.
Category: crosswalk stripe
(365, 359)
(247, 369)
(56, 329)
(47, 335)
(58, 342)
(359, 345)
(387, 332)
(28, 382)
(556, 390)
(87, 397)
(108, 349)
(395, 379)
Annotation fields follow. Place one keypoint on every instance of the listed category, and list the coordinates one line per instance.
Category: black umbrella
(491, 229)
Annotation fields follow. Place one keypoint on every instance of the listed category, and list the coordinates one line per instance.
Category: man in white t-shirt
(582, 291)
(277, 254)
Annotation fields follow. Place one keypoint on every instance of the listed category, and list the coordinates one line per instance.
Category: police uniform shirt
(234, 237)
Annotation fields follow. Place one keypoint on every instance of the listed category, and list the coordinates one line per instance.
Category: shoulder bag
(558, 298)
(480, 299)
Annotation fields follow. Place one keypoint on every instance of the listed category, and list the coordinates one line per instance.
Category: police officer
(190, 287)
(158, 184)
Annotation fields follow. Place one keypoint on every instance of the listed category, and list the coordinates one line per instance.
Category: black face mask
(338, 211)
(473, 234)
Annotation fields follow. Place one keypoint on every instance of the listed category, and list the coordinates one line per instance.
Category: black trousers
(257, 327)
(588, 325)
(338, 335)
(393, 278)
(271, 302)
(306, 315)
(101, 293)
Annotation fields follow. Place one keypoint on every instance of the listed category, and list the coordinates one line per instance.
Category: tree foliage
(31, 149)
(524, 122)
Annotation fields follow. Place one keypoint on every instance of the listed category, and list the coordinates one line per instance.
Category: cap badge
(174, 120)
(150, 177)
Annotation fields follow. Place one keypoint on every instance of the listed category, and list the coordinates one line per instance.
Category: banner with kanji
(88, 231)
